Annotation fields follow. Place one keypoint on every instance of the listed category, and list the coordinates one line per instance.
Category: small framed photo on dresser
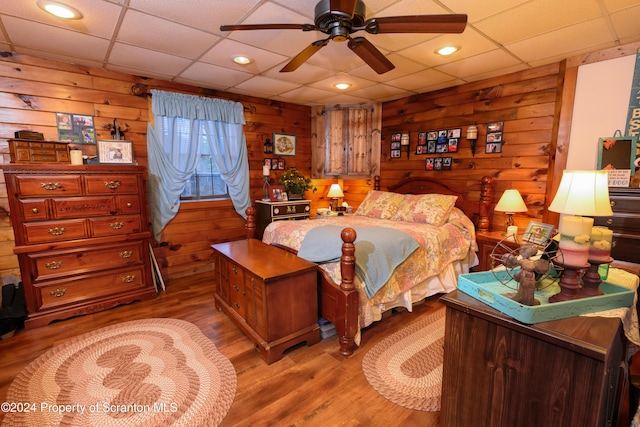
(112, 151)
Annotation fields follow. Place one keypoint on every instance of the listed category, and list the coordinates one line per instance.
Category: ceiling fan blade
(346, 7)
(452, 23)
(303, 56)
(303, 27)
(370, 54)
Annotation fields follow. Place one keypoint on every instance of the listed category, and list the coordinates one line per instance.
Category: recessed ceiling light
(59, 10)
(447, 50)
(342, 86)
(241, 59)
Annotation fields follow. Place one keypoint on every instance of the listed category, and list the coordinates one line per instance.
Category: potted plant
(295, 184)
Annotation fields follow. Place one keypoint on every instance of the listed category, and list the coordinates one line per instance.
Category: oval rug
(406, 367)
(151, 372)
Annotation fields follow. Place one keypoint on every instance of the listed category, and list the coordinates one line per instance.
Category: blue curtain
(171, 164)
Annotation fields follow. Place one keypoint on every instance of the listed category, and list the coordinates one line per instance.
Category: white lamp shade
(510, 202)
(335, 191)
(583, 192)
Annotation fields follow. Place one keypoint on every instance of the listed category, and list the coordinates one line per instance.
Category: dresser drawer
(287, 210)
(48, 185)
(85, 288)
(33, 209)
(54, 231)
(79, 207)
(625, 247)
(625, 204)
(128, 204)
(620, 221)
(53, 265)
(111, 184)
(113, 225)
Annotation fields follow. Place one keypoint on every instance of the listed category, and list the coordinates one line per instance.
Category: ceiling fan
(341, 18)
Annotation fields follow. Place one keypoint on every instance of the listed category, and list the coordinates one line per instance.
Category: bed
(441, 220)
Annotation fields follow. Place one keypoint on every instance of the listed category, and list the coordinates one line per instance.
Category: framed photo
(277, 193)
(111, 151)
(284, 144)
(538, 233)
(617, 153)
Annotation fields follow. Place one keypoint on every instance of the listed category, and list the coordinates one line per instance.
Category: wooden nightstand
(267, 211)
(487, 241)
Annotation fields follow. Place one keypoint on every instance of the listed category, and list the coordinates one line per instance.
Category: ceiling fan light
(447, 50)
(342, 85)
(59, 10)
(242, 60)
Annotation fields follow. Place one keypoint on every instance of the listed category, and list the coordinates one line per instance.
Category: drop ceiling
(181, 41)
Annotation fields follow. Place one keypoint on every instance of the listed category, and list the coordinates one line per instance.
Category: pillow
(380, 204)
(428, 208)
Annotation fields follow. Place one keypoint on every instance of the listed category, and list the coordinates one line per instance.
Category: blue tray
(486, 287)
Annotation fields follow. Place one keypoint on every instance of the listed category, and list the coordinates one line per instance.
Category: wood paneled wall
(526, 101)
(32, 90)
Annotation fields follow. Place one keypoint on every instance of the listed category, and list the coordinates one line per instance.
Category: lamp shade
(335, 191)
(583, 192)
(510, 202)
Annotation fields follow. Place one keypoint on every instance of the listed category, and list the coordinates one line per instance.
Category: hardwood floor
(310, 386)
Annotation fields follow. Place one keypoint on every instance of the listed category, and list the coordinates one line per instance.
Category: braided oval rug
(151, 372)
(406, 367)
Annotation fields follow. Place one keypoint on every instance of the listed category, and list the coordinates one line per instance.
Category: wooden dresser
(82, 237)
(500, 372)
(625, 223)
(487, 241)
(269, 293)
(267, 211)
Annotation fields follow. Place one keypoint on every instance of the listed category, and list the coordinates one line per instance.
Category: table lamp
(510, 203)
(581, 192)
(266, 171)
(335, 192)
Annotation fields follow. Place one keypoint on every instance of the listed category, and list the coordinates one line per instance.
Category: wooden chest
(625, 223)
(82, 237)
(26, 151)
(269, 293)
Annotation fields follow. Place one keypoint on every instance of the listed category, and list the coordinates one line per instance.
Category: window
(348, 142)
(205, 182)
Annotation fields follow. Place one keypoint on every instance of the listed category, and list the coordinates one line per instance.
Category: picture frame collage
(494, 137)
(400, 142)
(275, 164)
(76, 128)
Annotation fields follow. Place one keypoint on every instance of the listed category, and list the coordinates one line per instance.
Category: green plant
(295, 183)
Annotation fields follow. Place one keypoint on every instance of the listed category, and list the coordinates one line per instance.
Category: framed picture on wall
(284, 144)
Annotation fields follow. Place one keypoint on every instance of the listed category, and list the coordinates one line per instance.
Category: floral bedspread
(439, 247)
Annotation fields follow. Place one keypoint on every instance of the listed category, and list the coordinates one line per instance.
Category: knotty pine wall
(32, 90)
(526, 101)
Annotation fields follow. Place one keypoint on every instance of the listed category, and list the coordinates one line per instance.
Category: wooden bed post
(250, 224)
(486, 197)
(347, 322)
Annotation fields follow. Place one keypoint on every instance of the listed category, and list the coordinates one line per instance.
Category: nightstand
(487, 241)
(267, 211)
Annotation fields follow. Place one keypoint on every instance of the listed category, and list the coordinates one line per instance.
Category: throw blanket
(378, 252)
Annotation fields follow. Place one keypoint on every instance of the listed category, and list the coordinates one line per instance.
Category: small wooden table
(269, 293)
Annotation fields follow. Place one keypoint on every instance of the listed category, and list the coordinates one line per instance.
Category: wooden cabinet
(500, 372)
(267, 211)
(625, 223)
(82, 237)
(487, 241)
(269, 293)
(28, 151)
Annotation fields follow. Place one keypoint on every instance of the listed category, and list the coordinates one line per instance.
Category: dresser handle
(235, 269)
(35, 210)
(129, 279)
(116, 225)
(612, 203)
(125, 254)
(236, 288)
(53, 265)
(56, 231)
(58, 293)
(112, 185)
(129, 205)
(610, 221)
(291, 209)
(50, 185)
(236, 304)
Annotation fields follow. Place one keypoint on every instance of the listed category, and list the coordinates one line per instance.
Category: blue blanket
(379, 251)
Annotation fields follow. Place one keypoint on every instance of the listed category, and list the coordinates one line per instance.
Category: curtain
(171, 163)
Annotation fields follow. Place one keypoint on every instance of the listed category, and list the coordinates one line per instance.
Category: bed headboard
(478, 210)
